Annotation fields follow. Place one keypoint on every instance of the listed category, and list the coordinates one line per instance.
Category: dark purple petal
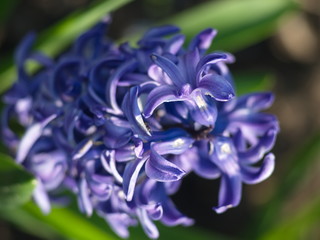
(23, 50)
(170, 68)
(158, 96)
(161, 31)
(130, 176)
(216, 87)
(229, 193)
(253, 175)
(162, 170)
(203, 40)
(116, 136)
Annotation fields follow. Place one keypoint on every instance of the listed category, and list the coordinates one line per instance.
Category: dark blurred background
(292, 55)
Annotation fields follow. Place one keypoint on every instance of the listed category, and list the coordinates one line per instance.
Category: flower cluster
(120, 126)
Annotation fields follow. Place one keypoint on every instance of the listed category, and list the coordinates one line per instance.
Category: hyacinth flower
(121, 126)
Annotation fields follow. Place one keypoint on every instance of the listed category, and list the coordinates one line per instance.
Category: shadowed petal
(229, 193)
(132, 112)
(172, 217)
(253, 175)
(170, 68)
(255, 101)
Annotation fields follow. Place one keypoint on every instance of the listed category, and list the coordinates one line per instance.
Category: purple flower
(121, 126)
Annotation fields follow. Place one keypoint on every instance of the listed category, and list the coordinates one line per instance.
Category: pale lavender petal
(253, 175)
(119, 222)
(148, 226)
(30, 137)
(41, 197)
(130, 176)
(175, 146)
(84, 197)
(203, 40)
(255, 101)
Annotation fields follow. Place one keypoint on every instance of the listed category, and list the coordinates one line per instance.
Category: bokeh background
(283, 57)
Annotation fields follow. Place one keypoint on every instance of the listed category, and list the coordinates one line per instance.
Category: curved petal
(210, 59)
(216, 87)
(172, 217)
(158, 96)
(109, 163)
(229, 193)
(84, 197)
(175, 43)
(130, 176)
(203, 40)
(170, 68)
(112, 83)
(162, 170)
(148, 226)
(253, 175)
(116, 136)
(23, 50)
(255, 153)
(119, 222)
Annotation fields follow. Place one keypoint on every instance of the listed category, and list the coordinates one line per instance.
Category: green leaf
(70, 224)
(297, 226)
(16, 184)
(239, 23)
(58, 37)
(247, 82)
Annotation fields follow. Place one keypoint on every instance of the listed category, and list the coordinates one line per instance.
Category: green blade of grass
(239, 23)
(16, 184)
(58, 37)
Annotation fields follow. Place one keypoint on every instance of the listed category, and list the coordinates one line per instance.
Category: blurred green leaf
(69, 224)
(16, 184)
(247, 82)
(239, 23)
(58, 37)
(298, 225)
